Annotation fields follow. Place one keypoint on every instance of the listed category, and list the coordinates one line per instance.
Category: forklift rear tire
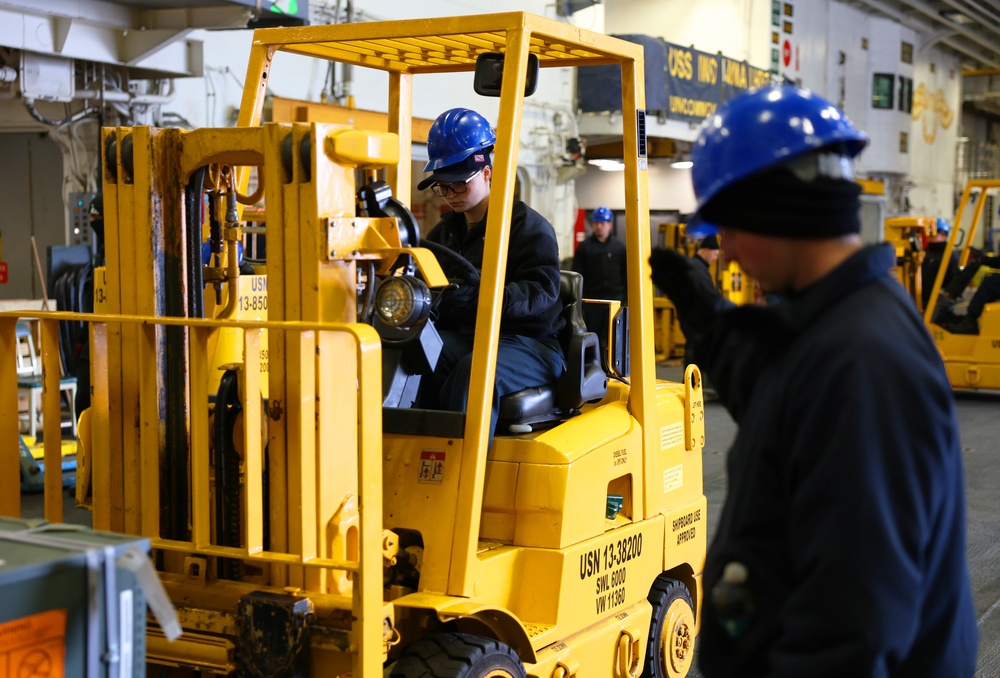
(458, 655)
(671, 633)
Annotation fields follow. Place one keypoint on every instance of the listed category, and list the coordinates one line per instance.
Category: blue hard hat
(455, 135)
(601, 213)
(762, 129)
(942, 225)
(699, 228)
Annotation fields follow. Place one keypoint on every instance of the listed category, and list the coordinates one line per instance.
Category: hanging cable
(228, 520)
(72, 291)
(79, 115)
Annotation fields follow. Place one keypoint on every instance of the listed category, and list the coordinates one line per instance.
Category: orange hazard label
(34, 647)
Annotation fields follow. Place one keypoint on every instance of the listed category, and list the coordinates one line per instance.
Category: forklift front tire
(670, 652)
(458, 655)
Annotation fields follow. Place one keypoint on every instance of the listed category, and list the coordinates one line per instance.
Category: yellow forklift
(668, 337)
(305, 517)
(732, 282)
(971, 360)
(909, 236)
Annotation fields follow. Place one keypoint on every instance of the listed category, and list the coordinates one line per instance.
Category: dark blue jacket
(929, 269)
(602, 265)
(846, 497)
(531, 304)
(703, 270)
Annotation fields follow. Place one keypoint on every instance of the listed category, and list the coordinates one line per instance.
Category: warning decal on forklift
(671, 435)
(673, 478)
(431, 466)
(34, 646)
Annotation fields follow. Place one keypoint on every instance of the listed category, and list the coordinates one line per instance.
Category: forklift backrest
(583, 381)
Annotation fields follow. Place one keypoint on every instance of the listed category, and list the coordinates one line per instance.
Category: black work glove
(461, 298)
(692, 291)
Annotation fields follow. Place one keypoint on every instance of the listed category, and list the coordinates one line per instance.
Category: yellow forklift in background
(305, 517)
(668, 338)
(732, 282)
(971, 360)
(909, 236)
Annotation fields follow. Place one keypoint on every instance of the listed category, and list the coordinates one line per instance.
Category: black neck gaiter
(777, 203)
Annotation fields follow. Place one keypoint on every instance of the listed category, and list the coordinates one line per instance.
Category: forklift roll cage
(407, 48)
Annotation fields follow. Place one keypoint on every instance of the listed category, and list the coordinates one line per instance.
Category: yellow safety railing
(304, 541)
(369, 390)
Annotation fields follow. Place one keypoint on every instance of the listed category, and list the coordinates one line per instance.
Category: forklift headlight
(402, 301)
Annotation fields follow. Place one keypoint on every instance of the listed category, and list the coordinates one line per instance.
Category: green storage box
(70, 602)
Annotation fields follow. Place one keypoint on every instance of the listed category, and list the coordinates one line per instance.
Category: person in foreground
(459, 144)
(841, 549)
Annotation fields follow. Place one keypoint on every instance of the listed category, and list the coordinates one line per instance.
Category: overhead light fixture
(957, 17)
(607, 165)
(682, 164)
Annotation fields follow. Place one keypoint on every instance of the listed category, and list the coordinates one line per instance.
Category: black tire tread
(451, 655)
(662, 591)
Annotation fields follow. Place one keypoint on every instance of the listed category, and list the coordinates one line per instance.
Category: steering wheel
(408, 225)
(454, 265)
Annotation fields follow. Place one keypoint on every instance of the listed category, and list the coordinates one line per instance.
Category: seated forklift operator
(956, 280)
(934, 254)
(459, 145)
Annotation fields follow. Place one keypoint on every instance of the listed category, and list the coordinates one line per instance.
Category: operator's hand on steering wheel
(693, 293)
(463, 294)
(462, 297)
(455, 266)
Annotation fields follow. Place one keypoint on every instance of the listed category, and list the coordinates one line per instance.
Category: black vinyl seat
(583, 381)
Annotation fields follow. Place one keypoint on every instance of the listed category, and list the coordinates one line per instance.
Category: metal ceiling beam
(940, 36)
(94, 30)
(136, 46)
(231, 16)
(964, 49)
(167, 53)
(994, 19)
(894, 12)
(909, 21)
(117, 15)
(158, 28)
(986, 22)
(931, 12)
(992, 3)
(108, 14)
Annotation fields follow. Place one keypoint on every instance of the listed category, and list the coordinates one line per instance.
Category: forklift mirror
(489, 74)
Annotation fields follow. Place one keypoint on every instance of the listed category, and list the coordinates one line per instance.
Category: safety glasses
(441, 188)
